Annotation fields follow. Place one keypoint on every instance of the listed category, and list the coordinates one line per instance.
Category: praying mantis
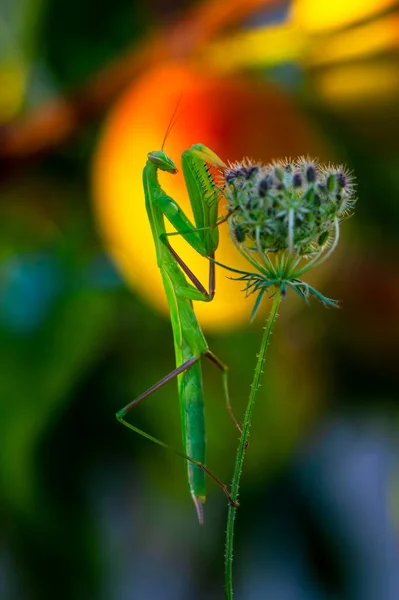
(181, 288)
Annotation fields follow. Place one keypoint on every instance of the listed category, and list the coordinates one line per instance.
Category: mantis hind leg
(124, 411)
(224, 369)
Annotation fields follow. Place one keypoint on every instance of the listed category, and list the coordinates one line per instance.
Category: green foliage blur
(88, 509)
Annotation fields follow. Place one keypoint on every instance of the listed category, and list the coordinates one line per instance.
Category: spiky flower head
(292, 205)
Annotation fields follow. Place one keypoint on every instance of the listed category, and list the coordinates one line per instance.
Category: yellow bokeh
(319, 16)
(372, 39)
(315, 35)
(342, 86)
(12, 88)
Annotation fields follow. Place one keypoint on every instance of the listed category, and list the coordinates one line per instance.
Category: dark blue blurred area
(31, 284)
(328, 529)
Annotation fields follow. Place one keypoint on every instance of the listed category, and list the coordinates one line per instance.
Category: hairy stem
(235, 485)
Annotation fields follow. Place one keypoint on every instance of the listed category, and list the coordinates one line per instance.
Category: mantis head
(162, 161)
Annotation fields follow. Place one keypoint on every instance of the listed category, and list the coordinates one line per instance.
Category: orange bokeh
(235, 117)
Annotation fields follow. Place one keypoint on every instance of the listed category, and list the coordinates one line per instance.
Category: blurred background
(88, 509)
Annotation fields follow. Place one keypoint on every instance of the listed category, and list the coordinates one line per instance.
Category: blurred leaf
(37, 374)
(78, 38)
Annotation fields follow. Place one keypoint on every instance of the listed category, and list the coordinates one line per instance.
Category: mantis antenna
(172, 121)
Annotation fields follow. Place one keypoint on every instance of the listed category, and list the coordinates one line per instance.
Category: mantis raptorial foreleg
(208, 296)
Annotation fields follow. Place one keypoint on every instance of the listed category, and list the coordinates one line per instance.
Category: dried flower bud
(331, 181)
(264, 186)
(310, 174)
(297, 180)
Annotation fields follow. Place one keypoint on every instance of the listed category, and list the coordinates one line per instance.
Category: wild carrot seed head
(287, 205)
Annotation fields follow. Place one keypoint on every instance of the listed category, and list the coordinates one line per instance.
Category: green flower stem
(243, 443)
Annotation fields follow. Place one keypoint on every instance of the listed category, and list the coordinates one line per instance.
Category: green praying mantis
(181, 288)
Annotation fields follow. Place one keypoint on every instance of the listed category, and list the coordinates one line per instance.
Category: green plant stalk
(235, 485)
